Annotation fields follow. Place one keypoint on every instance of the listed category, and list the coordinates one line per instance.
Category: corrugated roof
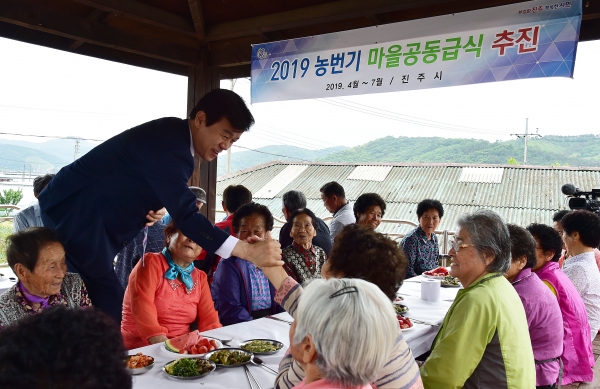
(280, 181)
(491, 175)
(525, 194)
(370, 173)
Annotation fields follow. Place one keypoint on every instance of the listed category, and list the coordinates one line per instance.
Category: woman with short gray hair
(328, 340)
(486, 318)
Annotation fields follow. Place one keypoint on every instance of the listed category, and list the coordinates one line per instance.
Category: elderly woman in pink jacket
(577, 356)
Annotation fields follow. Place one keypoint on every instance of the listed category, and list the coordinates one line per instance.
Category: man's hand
(263, 253)
(154, 217)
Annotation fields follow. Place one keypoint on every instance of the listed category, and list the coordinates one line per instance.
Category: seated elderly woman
(487, 317)
(303, 260)
(358, 252)
(577, 355)
(369, 208)
(324, 338)
(581, 234)
(37, 258)
(240, 290)
(166, 294)
(421, 244)
(541, 307)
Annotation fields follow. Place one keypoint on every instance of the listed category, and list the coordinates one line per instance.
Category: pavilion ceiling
(172, 35)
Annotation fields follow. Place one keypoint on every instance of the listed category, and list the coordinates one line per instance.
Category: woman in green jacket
(484, 339)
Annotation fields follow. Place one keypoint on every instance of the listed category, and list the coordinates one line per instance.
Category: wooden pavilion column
(201, 80)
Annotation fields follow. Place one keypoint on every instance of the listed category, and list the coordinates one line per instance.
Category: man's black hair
(586, 223)
(40, 182)
(333, 188)
(234, 196)
(293, 200)
(222, 103)
(559, 215)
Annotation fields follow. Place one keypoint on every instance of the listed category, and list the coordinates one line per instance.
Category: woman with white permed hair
(344, 331)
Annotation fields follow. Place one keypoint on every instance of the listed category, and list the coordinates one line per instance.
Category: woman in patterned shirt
(303, 260)
(240, 290)
(37, 257)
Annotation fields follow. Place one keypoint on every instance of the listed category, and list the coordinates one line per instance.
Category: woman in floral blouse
(37, 258)
(303, 260)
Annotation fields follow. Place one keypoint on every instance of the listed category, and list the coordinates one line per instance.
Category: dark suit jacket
(98, 203)
(323, 238)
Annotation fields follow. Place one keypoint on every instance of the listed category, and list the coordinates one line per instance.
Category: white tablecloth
(222, 377)
(5, 282)
(419, 339)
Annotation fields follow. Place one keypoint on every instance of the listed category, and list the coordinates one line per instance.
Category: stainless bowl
(210, 353)
(139, 370)
(275, 343)
(212, 364)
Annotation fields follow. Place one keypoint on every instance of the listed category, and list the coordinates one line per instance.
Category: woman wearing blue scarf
(166, 294)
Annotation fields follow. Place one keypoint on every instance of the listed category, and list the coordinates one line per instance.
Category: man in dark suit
(99, 203)
(293, 201)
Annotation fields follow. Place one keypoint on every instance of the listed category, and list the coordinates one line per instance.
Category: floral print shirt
(422, 253)
(301, 264)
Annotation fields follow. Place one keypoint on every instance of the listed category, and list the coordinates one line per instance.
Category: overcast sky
(50, 92)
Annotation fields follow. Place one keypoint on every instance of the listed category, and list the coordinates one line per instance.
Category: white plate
(408, 329)
(164, 348)
(433, 277)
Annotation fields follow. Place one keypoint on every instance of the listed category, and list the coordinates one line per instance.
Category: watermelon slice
(182, 343)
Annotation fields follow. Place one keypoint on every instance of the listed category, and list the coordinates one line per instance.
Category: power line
(277, 155)
(398, 117)
(98, 140)
(51, 136)
(64, 111)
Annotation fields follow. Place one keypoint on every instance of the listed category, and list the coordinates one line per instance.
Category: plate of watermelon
(405, 323)
(192, 344)
(438, 273)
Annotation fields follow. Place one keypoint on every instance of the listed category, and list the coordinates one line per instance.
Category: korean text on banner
(524, 40)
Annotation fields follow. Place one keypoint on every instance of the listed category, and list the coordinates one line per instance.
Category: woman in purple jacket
(541, 307)
(240, 290)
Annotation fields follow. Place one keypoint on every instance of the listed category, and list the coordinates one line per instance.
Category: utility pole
(526, 136)
(76, 149)
(229, 149)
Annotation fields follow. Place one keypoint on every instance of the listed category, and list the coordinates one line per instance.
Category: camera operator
(581, 234)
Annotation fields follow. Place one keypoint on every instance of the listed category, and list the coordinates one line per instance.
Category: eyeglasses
(457, 246)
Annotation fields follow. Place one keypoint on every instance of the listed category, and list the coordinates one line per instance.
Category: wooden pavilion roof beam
(324, 13)
(52, 22)
(144, 13)
(197, 17)
(94, 16)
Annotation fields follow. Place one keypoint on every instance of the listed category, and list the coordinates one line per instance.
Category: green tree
(10, 197)
(512, 161)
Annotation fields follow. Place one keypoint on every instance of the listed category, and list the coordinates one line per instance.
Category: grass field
(6, 228)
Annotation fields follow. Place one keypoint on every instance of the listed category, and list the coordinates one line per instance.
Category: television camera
(581, 199)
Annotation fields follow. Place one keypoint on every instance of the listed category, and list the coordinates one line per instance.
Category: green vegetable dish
(188, 367)
(450, 281)
(228, 357)
(260, 346)
(400, 309)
